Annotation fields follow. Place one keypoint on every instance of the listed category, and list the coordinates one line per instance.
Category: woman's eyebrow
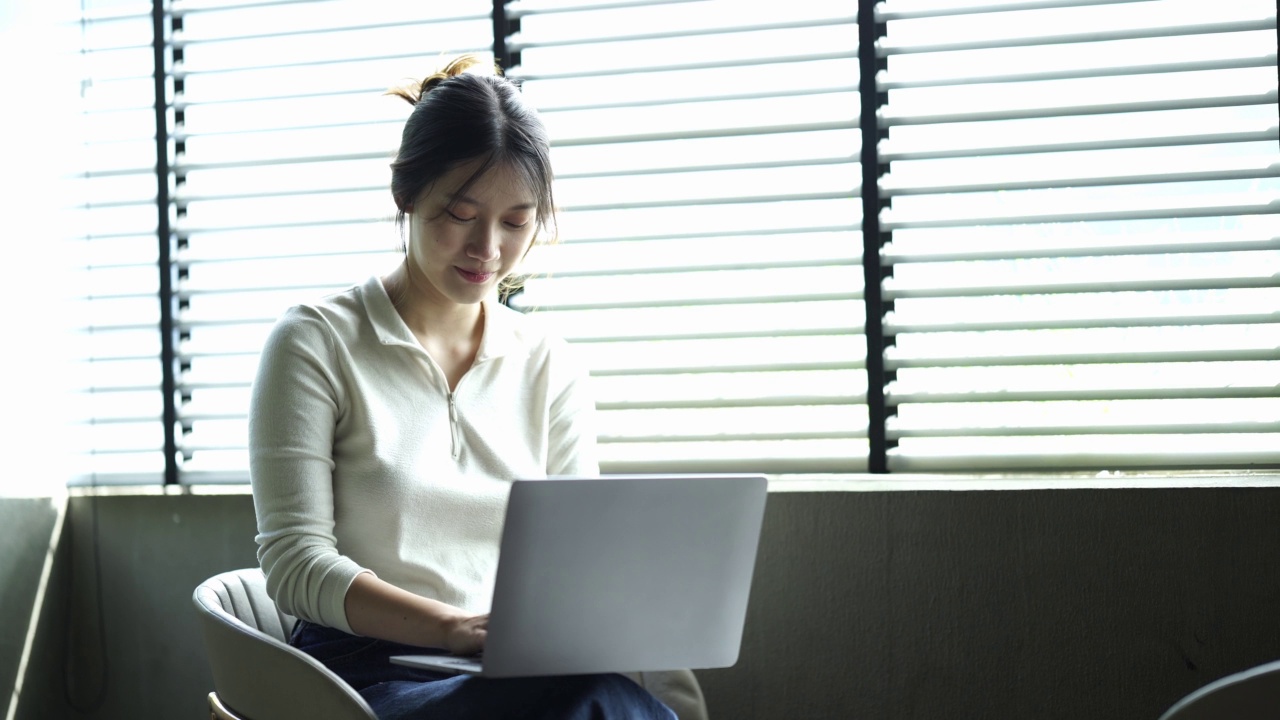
(472, 201)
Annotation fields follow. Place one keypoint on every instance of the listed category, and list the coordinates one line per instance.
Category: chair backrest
(1253, 694)
(255, 673)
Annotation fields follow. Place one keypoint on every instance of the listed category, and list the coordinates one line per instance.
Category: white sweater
(362, 460)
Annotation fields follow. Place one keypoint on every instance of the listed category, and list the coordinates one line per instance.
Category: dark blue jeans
(396, 692)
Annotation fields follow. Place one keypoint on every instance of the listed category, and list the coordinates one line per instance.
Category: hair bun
(414, 93)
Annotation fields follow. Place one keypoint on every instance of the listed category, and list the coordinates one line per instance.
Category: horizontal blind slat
(660, 458)
(948, 8)
(1061, 394)
(183, 39)
(1219, 101)
(891, 155)
(1079, 358)
(1157, 212)
(517, 42)
(888, 49)
(1085, 430)
(516, 9)
(1259, 61)
(894, 327)
(1085, 286)
(893, 187)
(897, 254)
(630, 72)
(1040, 461)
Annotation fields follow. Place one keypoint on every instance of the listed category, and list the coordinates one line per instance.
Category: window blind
(117, 378)
(1078, 234)
(283, 140)
(709, 259)
(1083, 235)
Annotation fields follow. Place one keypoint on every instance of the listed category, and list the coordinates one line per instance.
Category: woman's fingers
(469, 635)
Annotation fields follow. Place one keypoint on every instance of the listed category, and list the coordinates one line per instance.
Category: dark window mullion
(164, 232)
(506, 59)
(503, 29)
(869, 32)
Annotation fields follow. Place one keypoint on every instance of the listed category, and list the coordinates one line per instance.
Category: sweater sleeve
(571, 441)
(294, 409)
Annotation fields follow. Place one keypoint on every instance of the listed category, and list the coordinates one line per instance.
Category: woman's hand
(380, 610)
(466, 635)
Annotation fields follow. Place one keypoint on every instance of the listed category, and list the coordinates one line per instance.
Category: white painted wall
(40, 142)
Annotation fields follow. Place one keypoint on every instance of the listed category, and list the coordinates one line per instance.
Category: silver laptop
(619, 573)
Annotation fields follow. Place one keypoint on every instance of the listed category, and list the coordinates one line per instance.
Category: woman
(388, 420)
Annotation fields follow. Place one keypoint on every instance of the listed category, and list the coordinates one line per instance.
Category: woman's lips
(473, 277)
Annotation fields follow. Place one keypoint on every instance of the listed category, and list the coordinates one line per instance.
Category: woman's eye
(517, 225)
(458, 218)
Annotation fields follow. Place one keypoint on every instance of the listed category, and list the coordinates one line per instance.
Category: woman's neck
(426, 311)
(449, 331)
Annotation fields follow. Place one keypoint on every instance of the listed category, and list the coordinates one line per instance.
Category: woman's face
(464, 245)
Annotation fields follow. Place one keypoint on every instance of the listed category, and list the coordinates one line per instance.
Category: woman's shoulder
(335, 314)
(529, 331)
(543, 348)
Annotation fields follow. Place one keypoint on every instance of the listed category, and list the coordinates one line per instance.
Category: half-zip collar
(498, 339)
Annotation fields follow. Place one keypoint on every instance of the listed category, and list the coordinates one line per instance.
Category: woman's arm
(296, 405)
(381, 610)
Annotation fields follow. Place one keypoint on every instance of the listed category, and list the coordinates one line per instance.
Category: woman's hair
(461, 115)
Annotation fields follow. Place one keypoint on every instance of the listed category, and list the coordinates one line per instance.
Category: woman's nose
(483, 245)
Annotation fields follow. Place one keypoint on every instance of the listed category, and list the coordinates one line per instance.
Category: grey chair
(1252, 694)
(257, 676)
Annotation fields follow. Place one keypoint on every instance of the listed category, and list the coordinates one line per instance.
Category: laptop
(620, 573)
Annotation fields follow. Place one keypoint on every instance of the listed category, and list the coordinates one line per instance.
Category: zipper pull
(456, 445)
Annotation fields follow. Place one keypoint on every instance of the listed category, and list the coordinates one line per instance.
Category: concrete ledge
(859, 483)
(899, 483)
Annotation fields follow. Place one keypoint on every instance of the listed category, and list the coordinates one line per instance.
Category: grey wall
(1024, 604)
(896, 605)
(117, 636)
